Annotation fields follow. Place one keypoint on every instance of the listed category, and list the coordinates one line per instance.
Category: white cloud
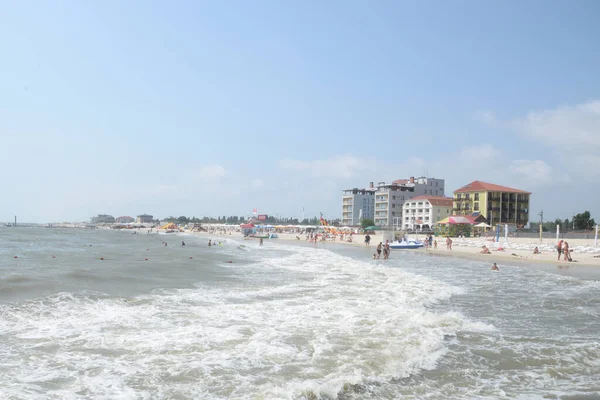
(573, 132)
(337, 167)
(210, 173)
(480, 155)
(486, 117)
(534, 172)
(257, 183)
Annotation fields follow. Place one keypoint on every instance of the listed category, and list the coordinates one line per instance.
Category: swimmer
(374, 256)
(182, 243)
(495, 267)
(209, 243)
(485, 250)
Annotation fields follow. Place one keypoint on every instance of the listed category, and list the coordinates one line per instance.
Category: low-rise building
(423, 212)
(124, 220)
(103, 219)
(498, 204)
(144, 219)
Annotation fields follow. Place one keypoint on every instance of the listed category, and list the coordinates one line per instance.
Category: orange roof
(478, 186)
(400, 181)
(435, 200)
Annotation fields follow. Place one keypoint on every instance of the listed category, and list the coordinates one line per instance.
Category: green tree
(182, 220)
(366, 222)
(583, 221)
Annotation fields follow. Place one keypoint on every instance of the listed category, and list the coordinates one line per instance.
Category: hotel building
(357, 204)
(144, 219)
(423, 212)
(389, 198)
(498, 204)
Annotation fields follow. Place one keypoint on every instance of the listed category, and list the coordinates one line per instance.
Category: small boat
(406, 244)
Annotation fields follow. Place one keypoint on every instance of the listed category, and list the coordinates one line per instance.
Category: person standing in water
(261, 242)
(209, 242)
(495, 267)
(379, 250)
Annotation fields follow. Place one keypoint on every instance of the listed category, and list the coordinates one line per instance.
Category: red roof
(478, 186)
(400, 181)
(435, 200)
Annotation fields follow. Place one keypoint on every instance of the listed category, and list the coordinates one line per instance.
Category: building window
(393, 197)
(393, 205)
(436, 184)
(476, 207)
(476, 196)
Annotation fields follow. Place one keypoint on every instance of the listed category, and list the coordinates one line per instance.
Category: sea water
(283, 321)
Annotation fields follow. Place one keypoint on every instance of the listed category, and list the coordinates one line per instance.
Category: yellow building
(498, 204)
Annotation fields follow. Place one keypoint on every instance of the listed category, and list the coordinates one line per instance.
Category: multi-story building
(389, 198)
(498, 204)
(103, 219)
(144, 219)
(423, 212)
(124, 220)
(357, 204)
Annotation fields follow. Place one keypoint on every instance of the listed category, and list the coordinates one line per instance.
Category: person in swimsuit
(379, 250)
(495, 267)
(559, 249)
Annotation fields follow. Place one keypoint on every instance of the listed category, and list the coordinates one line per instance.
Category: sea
(98, 314)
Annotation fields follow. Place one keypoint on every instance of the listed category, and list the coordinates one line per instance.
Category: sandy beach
(515, 250)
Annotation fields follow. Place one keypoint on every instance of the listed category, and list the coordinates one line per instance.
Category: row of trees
(580, 222)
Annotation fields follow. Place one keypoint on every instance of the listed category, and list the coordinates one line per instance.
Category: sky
(201, 108)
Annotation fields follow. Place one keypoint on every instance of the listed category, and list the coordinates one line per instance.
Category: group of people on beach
(562, 247)
(382, 247)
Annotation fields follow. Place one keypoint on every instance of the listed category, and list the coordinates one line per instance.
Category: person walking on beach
(367, 240)
(379, 250)
(559, 249)
(567, 255)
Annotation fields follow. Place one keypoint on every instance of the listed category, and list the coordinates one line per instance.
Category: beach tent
(482, 225)
(454, 220)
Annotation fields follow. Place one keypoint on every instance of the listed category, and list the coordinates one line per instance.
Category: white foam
(312, 322)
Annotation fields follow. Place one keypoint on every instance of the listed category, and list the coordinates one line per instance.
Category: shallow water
(283, 321)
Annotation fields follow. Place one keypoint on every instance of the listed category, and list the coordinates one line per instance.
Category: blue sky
(215, 108)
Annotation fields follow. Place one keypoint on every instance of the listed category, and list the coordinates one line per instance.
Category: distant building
(390, 197)
(124, 220)
(145, 219)
(422, 212)
(498, 204)
(357, 204)
(103, 219)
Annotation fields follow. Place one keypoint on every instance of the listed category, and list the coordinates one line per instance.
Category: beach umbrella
(482, 225)
(373, 228)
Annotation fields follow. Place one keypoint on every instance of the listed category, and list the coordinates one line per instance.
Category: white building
(423, 212)
(389, 198)
(357, 204)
